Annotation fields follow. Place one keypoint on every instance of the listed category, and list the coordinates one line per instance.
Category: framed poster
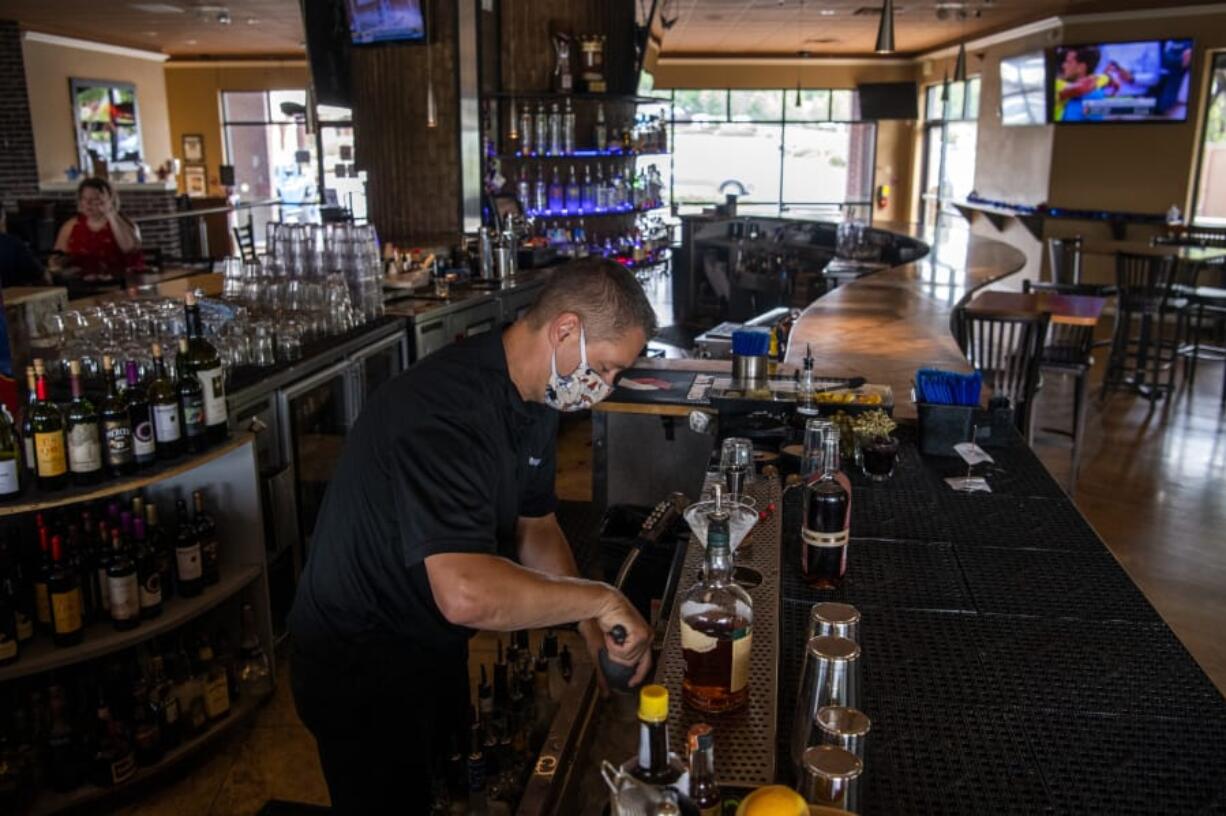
(193, 148)
(195, 181)
(107, 122)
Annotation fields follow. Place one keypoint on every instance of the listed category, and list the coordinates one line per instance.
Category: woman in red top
(98, 241)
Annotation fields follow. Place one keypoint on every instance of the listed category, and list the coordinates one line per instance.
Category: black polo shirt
(444, 459)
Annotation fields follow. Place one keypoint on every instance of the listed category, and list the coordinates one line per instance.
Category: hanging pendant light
(885, 32)
(945, 89)
(960, 65)
(431, 106)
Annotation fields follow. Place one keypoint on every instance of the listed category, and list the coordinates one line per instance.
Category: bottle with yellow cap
(655, 764)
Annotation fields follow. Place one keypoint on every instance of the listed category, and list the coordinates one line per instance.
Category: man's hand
(635, 651)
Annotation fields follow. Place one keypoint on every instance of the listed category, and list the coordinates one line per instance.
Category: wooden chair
(1007, 349)
(245, 238)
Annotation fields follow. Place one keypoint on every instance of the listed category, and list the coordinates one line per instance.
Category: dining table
(1073, 310)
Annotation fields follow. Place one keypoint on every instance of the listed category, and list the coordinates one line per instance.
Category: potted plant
(878, 449)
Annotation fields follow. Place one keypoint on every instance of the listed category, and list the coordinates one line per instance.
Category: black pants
(384, 717)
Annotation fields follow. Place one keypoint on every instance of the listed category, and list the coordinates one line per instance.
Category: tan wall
(48, 69)
(718, 74)
(194, 94)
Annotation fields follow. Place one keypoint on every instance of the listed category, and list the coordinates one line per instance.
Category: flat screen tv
(889, 100)
(377, 21)
(1023, 90)
(1143, 81)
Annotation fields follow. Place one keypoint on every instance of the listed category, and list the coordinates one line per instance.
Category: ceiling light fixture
(885, 31)
(431, 105)
(960, 64)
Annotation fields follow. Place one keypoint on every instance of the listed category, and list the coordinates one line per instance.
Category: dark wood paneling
(527, 49)
(413, 172)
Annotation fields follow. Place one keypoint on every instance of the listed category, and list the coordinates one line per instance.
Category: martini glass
(741, 519)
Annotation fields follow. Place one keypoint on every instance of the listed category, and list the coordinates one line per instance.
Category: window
(1210, 208)
(107, 123)
(775, 149)
(951, 115)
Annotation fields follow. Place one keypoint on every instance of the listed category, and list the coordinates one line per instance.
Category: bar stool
(1206, 306)
(1145, 294)
(1069, 351)
(1064, 255)
(1007, 350)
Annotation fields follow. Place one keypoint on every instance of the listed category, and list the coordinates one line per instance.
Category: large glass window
(1210, 209)
(951, 116)
(775, 149)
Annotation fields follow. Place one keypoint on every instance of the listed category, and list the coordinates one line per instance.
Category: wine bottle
(48, 429)
(42, 572)
(161, 690)
(203, 360)
(148, 573)
(10, 457)
(27, 423)
(187, 556)
(824, 532)
(191, 403)
(10, 644)
(78, 558)
(123, 586)
(164, 402)
(102, 562)
(117, 453)
(82, 431)
(64, 587)
(162, 552)
(144, 446)
(206, 536)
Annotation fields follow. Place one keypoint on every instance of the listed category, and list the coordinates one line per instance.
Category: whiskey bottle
(191, 402)
(213, 677)
(144, 445)
(82, 432)
(116, 426)
(188, 567)
(164, 401)
(64, 589)
(827, 511)
(48, 428)
(655, 764)
(206, 537)
(716, 627)
(203, 361)
(704, 790)
(122, 586)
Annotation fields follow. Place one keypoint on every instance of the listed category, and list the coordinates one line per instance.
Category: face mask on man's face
(579, 390)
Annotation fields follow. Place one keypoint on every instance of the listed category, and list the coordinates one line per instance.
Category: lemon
(775, 800)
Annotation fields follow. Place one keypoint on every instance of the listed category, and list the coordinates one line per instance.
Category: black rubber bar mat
(1012, 522)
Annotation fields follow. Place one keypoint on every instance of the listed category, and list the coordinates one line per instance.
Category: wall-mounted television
(889, 100)
(1144, 81)
(378, 21)
(1023, 90)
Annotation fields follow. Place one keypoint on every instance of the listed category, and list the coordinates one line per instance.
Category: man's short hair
(605, 295)
(1088, 55)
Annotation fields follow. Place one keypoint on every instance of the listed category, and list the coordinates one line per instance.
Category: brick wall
(18, 168)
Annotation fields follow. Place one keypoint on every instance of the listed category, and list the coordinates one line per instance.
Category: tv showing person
(1120, 82)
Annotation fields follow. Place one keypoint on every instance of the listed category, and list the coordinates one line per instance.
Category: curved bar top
(887, 324)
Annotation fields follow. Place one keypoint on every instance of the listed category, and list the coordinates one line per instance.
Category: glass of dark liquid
(878, 457)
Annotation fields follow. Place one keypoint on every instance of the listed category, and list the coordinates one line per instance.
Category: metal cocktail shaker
(831, 677)
(485, 253)
(838, 619)
(829, 776)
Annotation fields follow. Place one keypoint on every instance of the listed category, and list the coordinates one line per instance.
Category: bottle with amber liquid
(716, 627)
(827, 513)
(704, 790)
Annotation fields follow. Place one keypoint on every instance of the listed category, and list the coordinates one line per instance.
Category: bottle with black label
(117, 451)
(123, 586)
(144, 445)
(48, 428)
(10, 457)
(204, 362)
(189, 569)
(148, 573)
(64, 588)
(191, 403)
(164, 403)
(206, 535)
(83, 433)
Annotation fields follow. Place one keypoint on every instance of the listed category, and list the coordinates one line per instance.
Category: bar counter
(1010, 665)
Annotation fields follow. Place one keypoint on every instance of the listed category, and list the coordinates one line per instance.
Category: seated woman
(99, 242)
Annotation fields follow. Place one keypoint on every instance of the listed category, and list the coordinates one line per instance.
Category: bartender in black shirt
(439, 521)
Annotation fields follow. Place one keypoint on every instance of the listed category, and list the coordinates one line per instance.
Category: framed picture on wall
(107, 123)
(195, 181)
(193, 148)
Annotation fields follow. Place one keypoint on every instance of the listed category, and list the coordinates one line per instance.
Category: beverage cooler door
(375, 365)
(314, 417)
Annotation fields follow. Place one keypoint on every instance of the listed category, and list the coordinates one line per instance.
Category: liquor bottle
(113, 761)
(188, 567)
(827, 512)
(148, 573)
(574, 194)
(540, 191)
(191, 403)
(655, 764)
(213, 677)
(704, 790)
(160, 547)
(117, 451)
(80, 561)
(588, 197)
(82, 432)
(254, 669)
(10, 457)
(541, 136)
(144, 445)
(806, 402)
(555, 130)
(206, 537)
(568, 129)
(162, 697)
(64, 590)
(525, 131)
(164, 401)
(101, 563)
(523, 188)
(189, 686)
(203, 360)
(122, 586)
(716, 627)
(62, 765)
(557, 193)
(10, 644)
(146, 724)
(27, 423)
(49, 444)
(600, 133)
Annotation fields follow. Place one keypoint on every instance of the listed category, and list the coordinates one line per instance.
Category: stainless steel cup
(838, 619)
(749, 371)
(844, 728)
(829, 776)
(831, 677)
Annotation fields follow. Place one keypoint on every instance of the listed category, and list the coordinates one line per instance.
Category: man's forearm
(543, 546)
